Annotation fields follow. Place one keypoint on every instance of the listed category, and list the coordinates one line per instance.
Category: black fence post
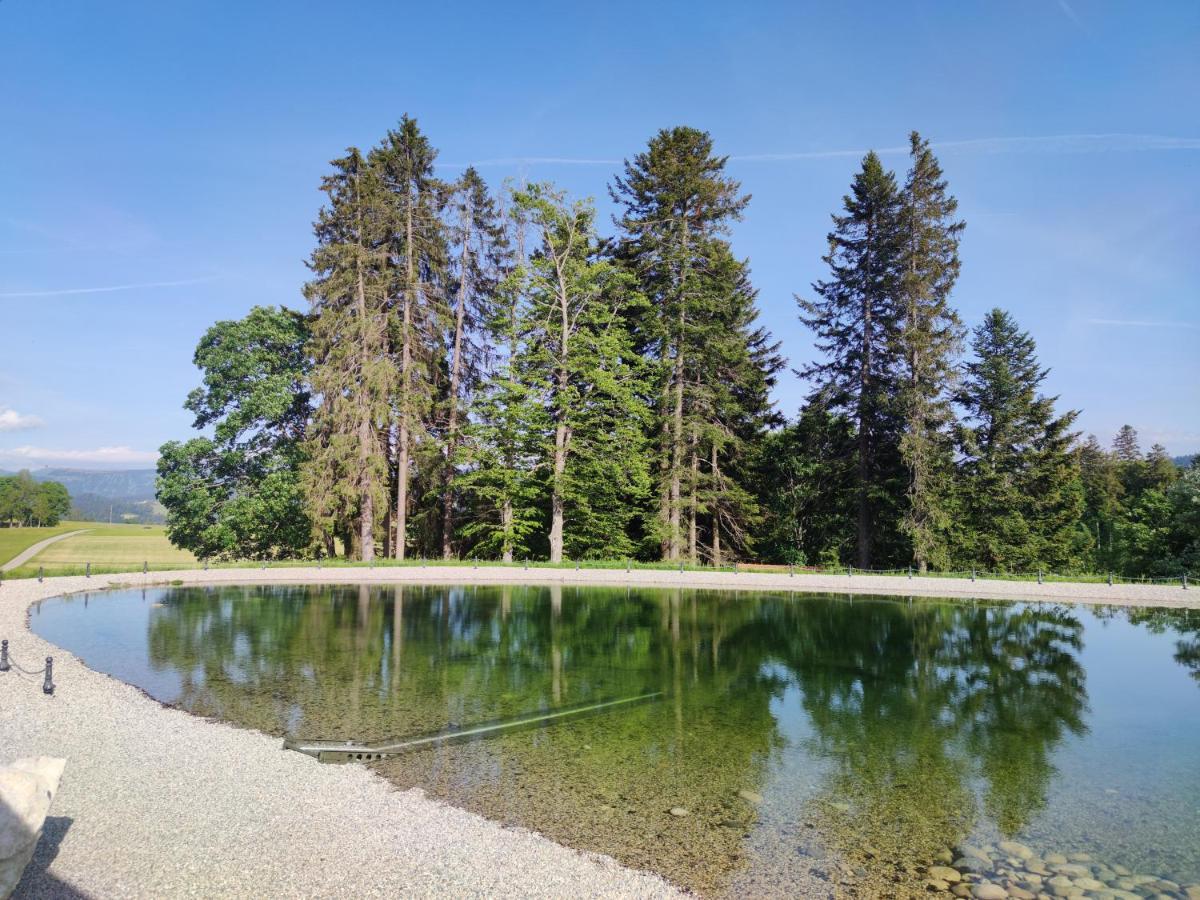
(791, 570)
(48, 684)
(4, 663)
(145, 567)
(1039, 576)
(41, 574)
(87, 570)
(910, 573)
(972, 574)
(1110, 579)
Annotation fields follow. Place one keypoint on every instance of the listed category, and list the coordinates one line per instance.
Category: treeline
(29, 503)
(487, 374)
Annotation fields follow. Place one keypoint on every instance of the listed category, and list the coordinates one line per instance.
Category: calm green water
(804, 741)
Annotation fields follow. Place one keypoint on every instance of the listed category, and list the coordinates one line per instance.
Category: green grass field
(126, 548)
(14, 540)
(109, 548)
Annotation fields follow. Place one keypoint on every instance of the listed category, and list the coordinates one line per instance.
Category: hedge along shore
(156, 802)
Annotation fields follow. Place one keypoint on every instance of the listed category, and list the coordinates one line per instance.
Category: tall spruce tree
(416, 264)
(676, 204)
(857, 320)
(1022, 491)
(501, 438)
(478, 257)
(930, 337)
(737, 361)
(353, 379)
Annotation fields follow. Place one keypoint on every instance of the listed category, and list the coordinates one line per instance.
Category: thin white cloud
(1047, 143)
(109, 289)
(1050, 143)
(11, 420)
(1070, 13)
(1140, 323)
(534, 160)
(111, 455)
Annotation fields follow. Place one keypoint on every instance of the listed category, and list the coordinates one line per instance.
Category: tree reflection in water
(920, 718)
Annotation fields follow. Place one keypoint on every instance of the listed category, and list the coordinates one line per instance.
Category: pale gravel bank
(158, 803)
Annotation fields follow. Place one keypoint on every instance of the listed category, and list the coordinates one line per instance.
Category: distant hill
(128, 496)
(1183, 461)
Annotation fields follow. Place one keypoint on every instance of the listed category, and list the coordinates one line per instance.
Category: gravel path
(30, 552)
(158, 803)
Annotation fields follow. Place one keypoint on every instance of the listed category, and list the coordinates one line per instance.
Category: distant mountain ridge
(98, 494)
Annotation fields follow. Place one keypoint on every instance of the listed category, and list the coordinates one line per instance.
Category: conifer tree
(1022, 490)
(1102, 503)
(929, 337)
(416, 261)
(345, 476)
(676, 204)
(857, 319)
(1125, 445)
(502, 437)
(737, 361)
(478, 251)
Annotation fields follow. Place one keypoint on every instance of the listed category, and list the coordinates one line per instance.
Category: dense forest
(25, 501)
(489, 374)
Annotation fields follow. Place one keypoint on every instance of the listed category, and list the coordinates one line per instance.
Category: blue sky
(159, 165)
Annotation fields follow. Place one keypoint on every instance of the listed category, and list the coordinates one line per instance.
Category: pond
(798, 743)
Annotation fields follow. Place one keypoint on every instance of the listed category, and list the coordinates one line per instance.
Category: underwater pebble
(750, 796)
(1012, 848)
(944, 873)
(985, 890)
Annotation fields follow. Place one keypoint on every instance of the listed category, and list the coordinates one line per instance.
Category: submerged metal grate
(352, 751)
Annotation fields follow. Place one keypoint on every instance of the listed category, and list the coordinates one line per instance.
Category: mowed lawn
(14, 540)
(109, 548)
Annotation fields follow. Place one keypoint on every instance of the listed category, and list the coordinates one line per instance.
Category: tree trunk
(366, 523)
(506, 524)
(865, 420)
(693, 504)
(455, 382)
(562, 434)
(677, 447)
(716, 513)
(402, 448)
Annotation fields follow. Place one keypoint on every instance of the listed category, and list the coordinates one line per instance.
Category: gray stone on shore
(27, 788)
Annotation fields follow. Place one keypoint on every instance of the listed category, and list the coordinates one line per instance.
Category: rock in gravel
(27, 788)
(679, 812)
(750, 796)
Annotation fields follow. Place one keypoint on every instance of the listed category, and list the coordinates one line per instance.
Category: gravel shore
(158, 803)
